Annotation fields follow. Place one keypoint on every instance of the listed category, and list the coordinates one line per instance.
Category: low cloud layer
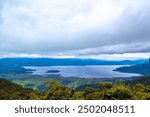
(74, 28)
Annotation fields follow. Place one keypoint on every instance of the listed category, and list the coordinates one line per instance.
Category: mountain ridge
(65, 61)
(143, 69)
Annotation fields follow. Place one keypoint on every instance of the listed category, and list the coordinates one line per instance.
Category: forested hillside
(57, 91)
(143, 69)
(11, 91)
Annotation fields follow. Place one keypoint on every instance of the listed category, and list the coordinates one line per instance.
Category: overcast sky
(101, 29)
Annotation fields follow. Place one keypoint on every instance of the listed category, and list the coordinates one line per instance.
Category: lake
(97, 71)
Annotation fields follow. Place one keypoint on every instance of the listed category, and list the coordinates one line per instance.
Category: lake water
(83, 71)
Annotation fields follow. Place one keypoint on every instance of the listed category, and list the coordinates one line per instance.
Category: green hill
(58, 91)
(12, 91)
(143, 69)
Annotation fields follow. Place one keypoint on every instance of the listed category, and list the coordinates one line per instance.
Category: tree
(57, 91)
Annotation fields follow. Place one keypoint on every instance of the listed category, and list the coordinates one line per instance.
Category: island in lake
(53, 71)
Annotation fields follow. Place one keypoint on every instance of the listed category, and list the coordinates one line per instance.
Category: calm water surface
(82, 71)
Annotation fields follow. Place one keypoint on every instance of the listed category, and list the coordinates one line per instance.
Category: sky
(99, 29)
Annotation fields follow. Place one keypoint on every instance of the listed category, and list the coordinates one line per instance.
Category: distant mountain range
(65, 61)
(143, 69)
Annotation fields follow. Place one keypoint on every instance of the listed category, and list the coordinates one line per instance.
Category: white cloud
(79, 27)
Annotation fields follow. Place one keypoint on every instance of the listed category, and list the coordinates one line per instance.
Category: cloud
(75, 28)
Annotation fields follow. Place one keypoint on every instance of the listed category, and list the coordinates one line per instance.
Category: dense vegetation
(142, 80)
(11, 91)
(57, 91)
(39, 82)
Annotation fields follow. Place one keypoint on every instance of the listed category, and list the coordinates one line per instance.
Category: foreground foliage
(11, 91)
(57, 91)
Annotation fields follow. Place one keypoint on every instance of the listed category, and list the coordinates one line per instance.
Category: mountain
(64, 61)
(143, 69)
